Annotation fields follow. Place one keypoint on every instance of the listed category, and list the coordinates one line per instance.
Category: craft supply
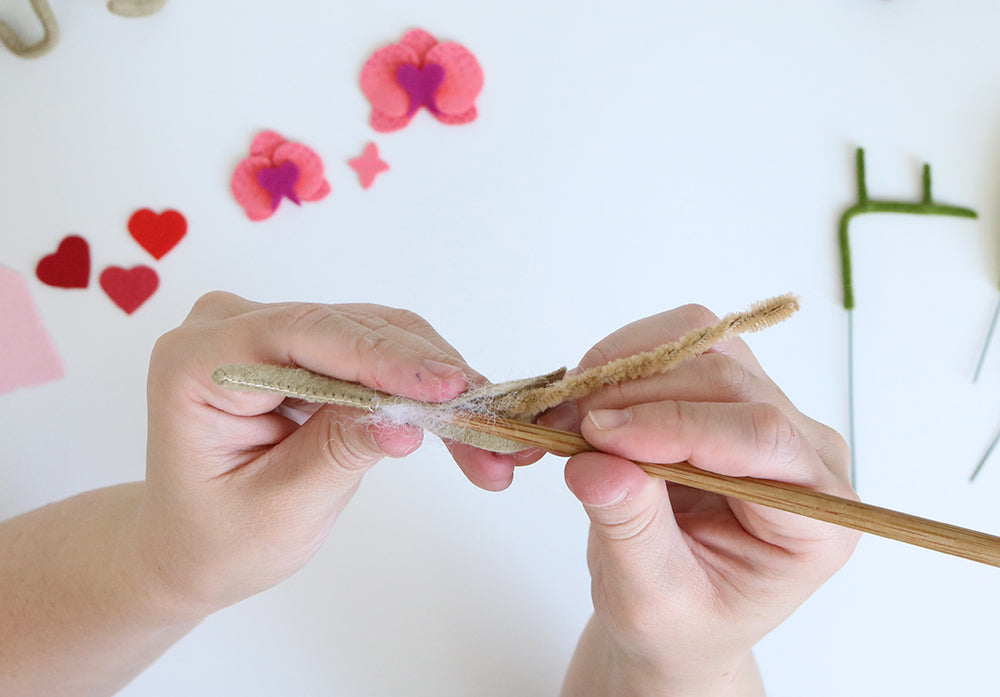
(129, 288)
(280, 181)
(277, 168)
(68, 266)
(47, 17)
(984, 458)
(478, 418)
(418, 72)
(136, 8)
(27, 354)
(517, 399)
(368, 165)
(893, 525)
(925, 206)
(157, 233)
(42, 9)
(986, 344)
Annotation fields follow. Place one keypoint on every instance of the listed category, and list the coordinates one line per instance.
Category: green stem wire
(986, 345)
(925, 206)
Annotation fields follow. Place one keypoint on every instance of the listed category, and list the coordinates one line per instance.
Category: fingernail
(441, 370)
(451, 381)
(610, 419)
(565, 416)
(527, 457)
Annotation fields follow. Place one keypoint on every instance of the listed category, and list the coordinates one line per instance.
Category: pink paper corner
(27, 355)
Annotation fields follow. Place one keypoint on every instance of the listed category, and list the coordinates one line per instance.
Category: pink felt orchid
(445, 78)
(276, 169)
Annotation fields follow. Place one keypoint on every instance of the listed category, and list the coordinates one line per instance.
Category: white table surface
(629, 157)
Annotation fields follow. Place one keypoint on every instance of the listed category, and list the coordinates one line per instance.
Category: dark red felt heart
(129, 288)
(69, 266)
(158, 233)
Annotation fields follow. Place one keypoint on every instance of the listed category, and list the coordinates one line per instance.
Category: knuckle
(727, 377)
(302, 318)
(406, 319)
(367, 329)
(211, 304)
(695, 316)
(175, 346)
(833, 450)
(160, 358)
(672, 415)
(627, 526)
(775, 436)
(349, 447)
(604, 352)
(373, 341)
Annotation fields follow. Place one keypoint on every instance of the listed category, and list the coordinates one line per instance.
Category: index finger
(655, 330)
(383, 348)
(735, 439)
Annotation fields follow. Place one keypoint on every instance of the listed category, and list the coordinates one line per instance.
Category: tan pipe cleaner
(10, 39)
(520, 400)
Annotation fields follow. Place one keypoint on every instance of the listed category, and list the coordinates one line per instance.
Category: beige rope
(136, 8)
(123, 8)
(47, 17)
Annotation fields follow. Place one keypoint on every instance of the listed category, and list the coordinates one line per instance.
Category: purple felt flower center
(421, 84)
(280, 182)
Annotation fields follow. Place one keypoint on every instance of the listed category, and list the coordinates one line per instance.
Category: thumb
(336, 446)
(632, 522)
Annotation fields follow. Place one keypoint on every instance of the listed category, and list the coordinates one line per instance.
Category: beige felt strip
(311, 387)
(299, 383)
(47, 17)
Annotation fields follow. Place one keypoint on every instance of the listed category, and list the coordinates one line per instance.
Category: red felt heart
(157, 233)
(129, 288)
(69, 266)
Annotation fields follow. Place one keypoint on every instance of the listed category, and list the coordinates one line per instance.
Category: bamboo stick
(893, 525)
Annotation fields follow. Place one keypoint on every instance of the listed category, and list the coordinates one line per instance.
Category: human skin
(684, 583)
(241, 489)
(238, 493)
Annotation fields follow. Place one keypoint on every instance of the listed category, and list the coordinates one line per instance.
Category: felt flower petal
(322, 192)
(387, 124)
(311, 180)
(378, 79)
(265, 143)
(458, 119)
(420, 41)
(248, 192)
(463, 78)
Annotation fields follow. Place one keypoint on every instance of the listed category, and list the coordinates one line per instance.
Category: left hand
(238, 494)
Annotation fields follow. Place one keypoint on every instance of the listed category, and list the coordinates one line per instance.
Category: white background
(629, 157)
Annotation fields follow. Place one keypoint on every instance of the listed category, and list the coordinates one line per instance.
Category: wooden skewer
(902, 527)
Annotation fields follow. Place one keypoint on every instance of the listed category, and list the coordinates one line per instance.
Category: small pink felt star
(368, 165)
